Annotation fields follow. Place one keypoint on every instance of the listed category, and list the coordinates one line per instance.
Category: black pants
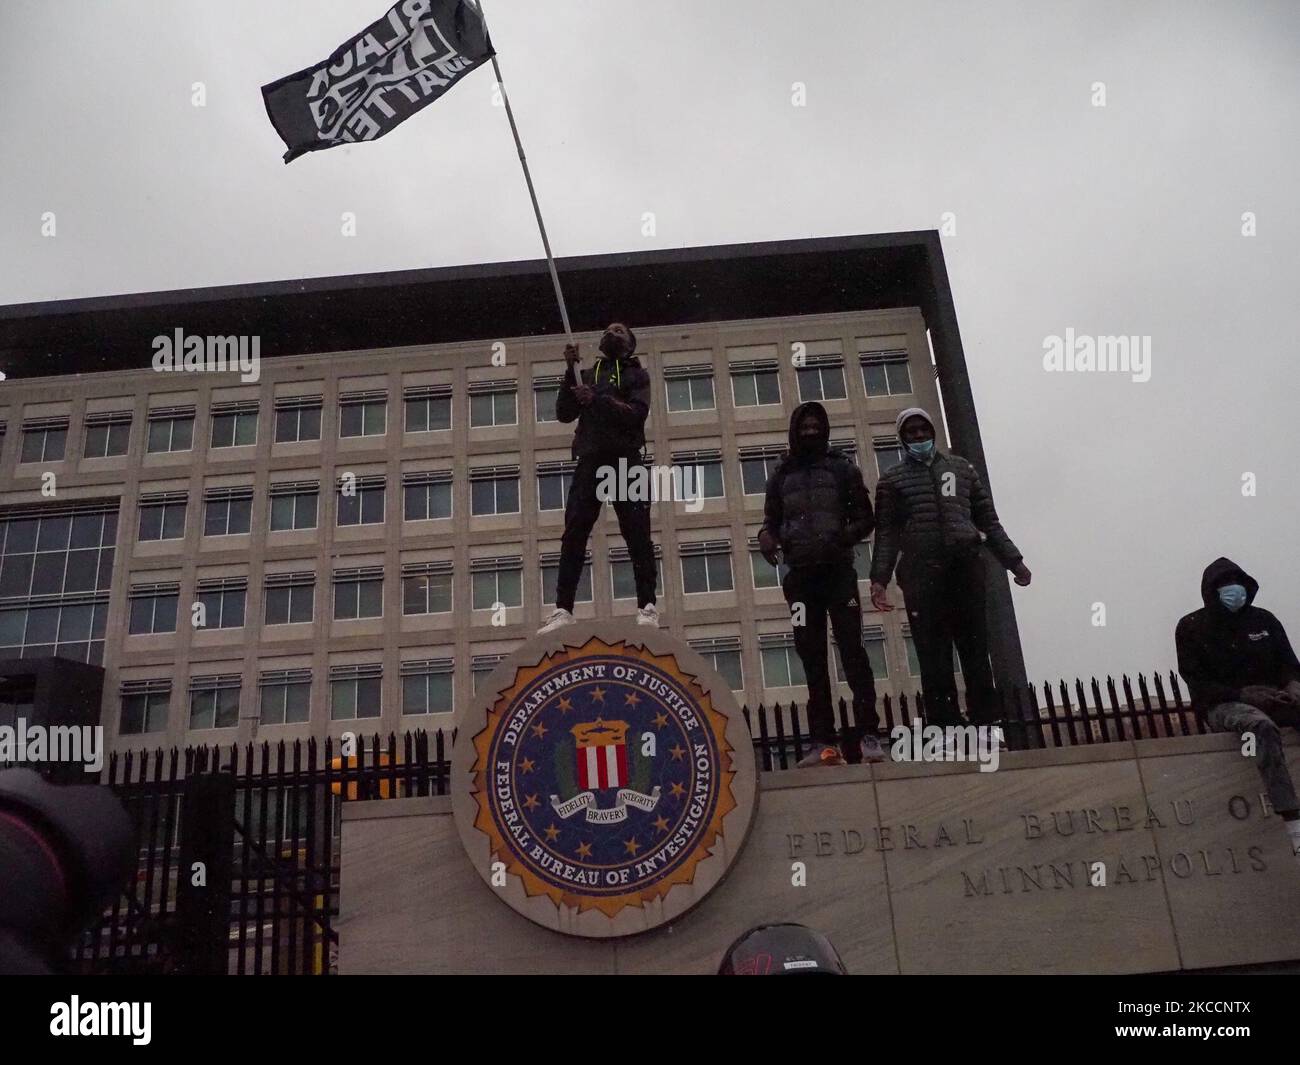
(945, 605)
(580, 514)
(831, 591)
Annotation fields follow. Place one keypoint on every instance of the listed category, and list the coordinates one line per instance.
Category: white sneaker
(648, 615)
(557, 620)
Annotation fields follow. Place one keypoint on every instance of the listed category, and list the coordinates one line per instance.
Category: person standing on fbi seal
(610, 403)
(936, 511)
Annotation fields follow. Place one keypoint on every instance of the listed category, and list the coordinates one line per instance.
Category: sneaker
(557, 620)
(821, 754)
(872, 751)
(648, 615)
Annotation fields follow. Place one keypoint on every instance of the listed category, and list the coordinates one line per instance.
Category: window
(297, 419)
(623, 580)
(284, 696)
(144, 706)
(492, 403)
(214, 702)
(862, 559)
(44, 440)
(294, 505)
(234, 424)
(494, 490)
(481, 668)
(227, 511)
(755, 384)
(355, 691)
(551, 574)
(706, 567)
(290, 598)
(363, 414)
(554, 479)
(427, 686)
(171, 429)
(358, 593)
(361, 500)
(107, 435)
(426, 588)
(765, 574)
(723, 655)
(56, 571)
(162, 516)
(546, 390)
(223, 601)
(757, 464)
(886, 373)
(781, 665)
(153, 608)
(427, 496)
(889, 453)
(428, 408)
(873, 639)
(821, 378)
(701, 473)
(689, 388)
(496, 580)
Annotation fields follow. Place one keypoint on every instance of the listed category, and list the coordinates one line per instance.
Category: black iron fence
(238, 867)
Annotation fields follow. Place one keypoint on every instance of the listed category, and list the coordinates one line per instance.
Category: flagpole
(528, 177)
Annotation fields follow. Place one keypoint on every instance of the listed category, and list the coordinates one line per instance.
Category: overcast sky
(1116, 219)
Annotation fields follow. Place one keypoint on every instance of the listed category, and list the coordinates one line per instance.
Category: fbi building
(355, 538)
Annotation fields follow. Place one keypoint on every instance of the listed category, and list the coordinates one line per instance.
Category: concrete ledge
(1135, 856)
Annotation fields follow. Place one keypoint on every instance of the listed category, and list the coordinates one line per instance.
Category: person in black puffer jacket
(817, 508)
(934, 509)
(1243, 676)
(610, 403)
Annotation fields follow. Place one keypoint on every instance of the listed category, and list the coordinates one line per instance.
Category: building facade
(354, 540)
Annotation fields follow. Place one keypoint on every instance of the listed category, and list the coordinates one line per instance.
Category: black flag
(379, 78)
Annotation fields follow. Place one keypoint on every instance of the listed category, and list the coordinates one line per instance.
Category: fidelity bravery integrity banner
(379, 78)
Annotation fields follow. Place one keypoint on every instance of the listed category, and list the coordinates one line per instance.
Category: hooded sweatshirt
(1220, 652)
(614, 422)
(931, 510)
(817, 504)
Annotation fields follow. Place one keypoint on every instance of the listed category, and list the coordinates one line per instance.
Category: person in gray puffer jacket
(935, 510)
(816, 510)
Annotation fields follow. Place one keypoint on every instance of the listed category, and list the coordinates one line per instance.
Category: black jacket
(1220, 652)
(817, 504)
(605, 428)
(935, 511)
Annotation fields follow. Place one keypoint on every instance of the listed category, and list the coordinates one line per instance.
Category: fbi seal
(606, 780)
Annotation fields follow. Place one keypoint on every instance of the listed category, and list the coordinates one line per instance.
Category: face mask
(611, 345)
(1233, 596)
(923, 449)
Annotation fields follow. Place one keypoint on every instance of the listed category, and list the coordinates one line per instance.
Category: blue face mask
(1233, 596)
(922, 450)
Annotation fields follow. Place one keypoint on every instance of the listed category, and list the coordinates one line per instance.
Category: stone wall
(907, 868)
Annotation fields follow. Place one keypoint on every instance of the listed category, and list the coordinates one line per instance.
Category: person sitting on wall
(1243, 676)
(816, 509)
(610, 405)
(933, 507)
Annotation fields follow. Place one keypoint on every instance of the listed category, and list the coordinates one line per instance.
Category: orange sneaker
(821, 754)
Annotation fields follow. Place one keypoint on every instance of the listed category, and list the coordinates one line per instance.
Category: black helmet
(781, 950)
